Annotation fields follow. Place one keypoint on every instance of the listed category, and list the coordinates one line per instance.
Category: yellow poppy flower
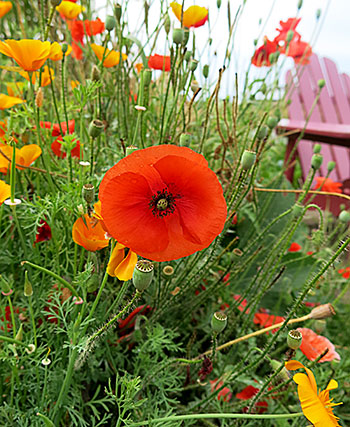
(194, 16)
(56, 53)
(5, 7)
(9, 101)
(316, 406)
(5, 191)
(74, 84)
(88, 233)
(15, 88)
(69, 10)
(24, 156)
(45, 76)
(111, 57)
(29, 54)
(120, 266)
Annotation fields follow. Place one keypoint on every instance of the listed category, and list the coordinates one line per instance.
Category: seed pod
(95, 128)
(248, 159)
(143, 274)
(321, 83)
(88, 193)
(294, 339)
(218, 322)
(110, 23)
(344, 216)
(117, 11)
(317, 148)
(178, 35)
(193, 65)
(167, 24)
(262, 132)
(322, 311)
(272, 122)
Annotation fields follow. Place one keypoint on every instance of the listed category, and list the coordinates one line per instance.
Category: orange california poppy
(29, 54)
(262, 54)
(316, 405)
(56, 53)
(111, 56)
(5, 191)
(266, 320)
(163, 202)
(159, 62)
(74, 84)
(5, 7)
(120, 266)
(88, 233)
(139, 67)
(194, 16)
(313, 345)
(24, 156)
(9, 101)
(46, 76)
(69, 10)
(327, 184)
(294, 247)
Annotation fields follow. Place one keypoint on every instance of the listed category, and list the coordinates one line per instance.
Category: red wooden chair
(328, 125)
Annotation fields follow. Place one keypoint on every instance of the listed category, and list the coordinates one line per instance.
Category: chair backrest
(332, 108)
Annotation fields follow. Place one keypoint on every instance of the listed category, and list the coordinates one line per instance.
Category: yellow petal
(116, 258)
(125, 269)
(69, 10)
(5, 191)
(193, 15)
(28, 154)
(9, 101)
(5, 7)
(56, 53)
(111, 56)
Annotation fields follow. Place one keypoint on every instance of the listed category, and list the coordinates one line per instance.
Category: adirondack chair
(329, 123)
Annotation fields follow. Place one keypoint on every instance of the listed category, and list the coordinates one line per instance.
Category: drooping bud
(331, 166)
(130, 149)
(262, 132)
(272, 122)
(88, 193)
(205, 71)
(178, 35)
(193, 64)
(317, 148)
(28, 289)
(316, 161)
(143, 274)
(248, 159)
(95, 128)
(344, 217)
(110, 23)
(294, 339)
(39, 98)
(95, 73)
(218, 322)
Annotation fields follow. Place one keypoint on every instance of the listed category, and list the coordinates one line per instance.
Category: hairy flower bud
(248, 159)
(95, 73)
(39, 98)
(218, 322)
(19, 335)
(143, 274)
(316, 161)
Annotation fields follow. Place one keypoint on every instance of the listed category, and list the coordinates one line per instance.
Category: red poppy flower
(294, 247)
(313, 345)
(79, 29)
(249, 392)
(300, 51)
(289, 25)
(56, 131)
(56, 147)
(7, 320)
(224, 393)
(159, 62)
(262, 54)
(266, 320)
(327, 185)
(242, 305)
(345, 272)
(43, 232)
(163, 202)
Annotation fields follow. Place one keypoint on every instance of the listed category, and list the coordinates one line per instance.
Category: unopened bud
(39, 98)
(19, 335)
(289, 36)
(218, 3)
(322, 312)
(147, 77)
(330, 166)
(283, 374)
(262, 132)
(88, 193)
(178, 35)
(5, 287)
(143, 274)
(193, 64)
(130, 149)
(95, 74)
(272, 122)
(294, 339)
(167, 24)
(194, 86)
(64, 48)
(205, 71)
(297, 210)
(344, 217)
(117, 11)
(188, 55)
(218, 322)
(110, 23)
(300, 4)
(318, 14)
(28, 289)
(316, 161)
(248, 159)
(95, 128)
(317, 148)
(321, 83)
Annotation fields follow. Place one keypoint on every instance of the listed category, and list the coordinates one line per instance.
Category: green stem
(12, 316)
(13, 341)
(13, 172)
(48, 23)
(19, 229)
(65, 112)
(33, 321)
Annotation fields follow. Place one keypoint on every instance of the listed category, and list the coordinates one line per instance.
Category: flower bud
(28, 289)
(283, 375)
(95, 128)
(331, 166)
(277, 113)
(143, 274)
(294, 339)
(110, 23)
(117, 11)
(272, 122)
(5, 287)
(289, 36)
(218, 3)
(19, 335)
(130, 149)
(95, 73)
(64, 48)
(321, 83)
(317, 148)
(300, 4)
(147, 77)
(167, 24)
(186, 36)
(262, 132)
(193, 65)
(318, 14)
(344, 216)
(185, 139)
(320, 325)
(178, 35)
(205, 71)
(39, 98)
(316, 161)
(194, 86)
(188, 55)
(322, 312)
(248, 159)
(88, 193)
(218, 322)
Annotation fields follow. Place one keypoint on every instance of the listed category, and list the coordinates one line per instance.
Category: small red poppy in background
(294, 247)
(327, 185)
(224, 393)
(345, 272)
(163, 202)
(286, 26)
(262, 54)
(159, 62)
(247, 393)
(300, 51)
(56, 147)
(313, 345)
(56, 129)
(43, 232)
(127, 326)
(79, 29)
(266, 320)
(7, 321)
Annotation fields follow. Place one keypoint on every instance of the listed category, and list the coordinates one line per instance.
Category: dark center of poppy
(163, 203)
